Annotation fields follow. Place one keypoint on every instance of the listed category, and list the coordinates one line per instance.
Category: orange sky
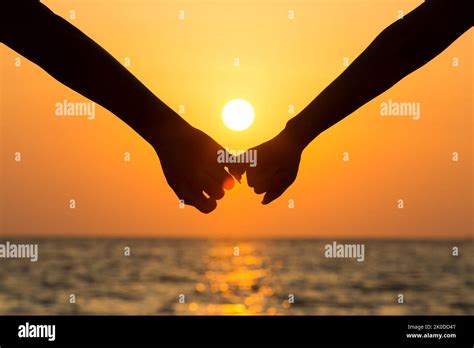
(283, 62)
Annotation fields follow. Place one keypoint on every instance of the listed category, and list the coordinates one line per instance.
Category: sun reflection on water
(234, 284)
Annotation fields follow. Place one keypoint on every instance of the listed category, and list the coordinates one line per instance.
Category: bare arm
(188, 156)
(400, 49)
(74, 59)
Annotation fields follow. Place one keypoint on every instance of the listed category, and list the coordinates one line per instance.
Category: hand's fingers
(237, 170)
(251, 177)
(262, 182)
(221, 177)
(258, 189)
(257, 176)
(279, 183)
(202, 203)
(212, 187)
(194, 196)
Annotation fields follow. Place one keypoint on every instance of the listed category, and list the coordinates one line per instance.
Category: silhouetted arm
(400, 49)
(188, 156)
(74, 59)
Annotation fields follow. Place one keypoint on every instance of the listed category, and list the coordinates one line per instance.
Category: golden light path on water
(236, 282)
(263, 279)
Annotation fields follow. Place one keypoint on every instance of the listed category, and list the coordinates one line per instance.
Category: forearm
(399, 50)
(81, 64)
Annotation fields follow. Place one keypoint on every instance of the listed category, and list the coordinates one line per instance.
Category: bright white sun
(238, 114)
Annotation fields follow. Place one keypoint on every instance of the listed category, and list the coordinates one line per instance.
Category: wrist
(168, 131)
(161, 125)
(298, 131)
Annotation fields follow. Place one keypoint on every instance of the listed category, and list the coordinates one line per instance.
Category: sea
(237, 277)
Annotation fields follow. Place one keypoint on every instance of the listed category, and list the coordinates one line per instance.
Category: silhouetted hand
(187, 155)
(189, 160)
(277, 165)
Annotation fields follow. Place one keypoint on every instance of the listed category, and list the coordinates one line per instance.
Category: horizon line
(243, 238)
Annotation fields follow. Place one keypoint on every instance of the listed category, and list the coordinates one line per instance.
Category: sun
(238, 114)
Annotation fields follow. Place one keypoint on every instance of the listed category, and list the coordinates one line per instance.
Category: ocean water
(203, 277)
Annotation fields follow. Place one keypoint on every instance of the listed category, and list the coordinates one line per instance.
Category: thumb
(280, 182)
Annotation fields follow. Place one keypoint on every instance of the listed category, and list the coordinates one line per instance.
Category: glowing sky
(282, 65)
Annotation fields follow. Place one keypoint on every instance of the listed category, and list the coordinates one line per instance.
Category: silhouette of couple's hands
(276, 169)
(188, 157)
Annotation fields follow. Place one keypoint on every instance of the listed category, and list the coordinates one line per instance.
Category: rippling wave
(163, 276)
